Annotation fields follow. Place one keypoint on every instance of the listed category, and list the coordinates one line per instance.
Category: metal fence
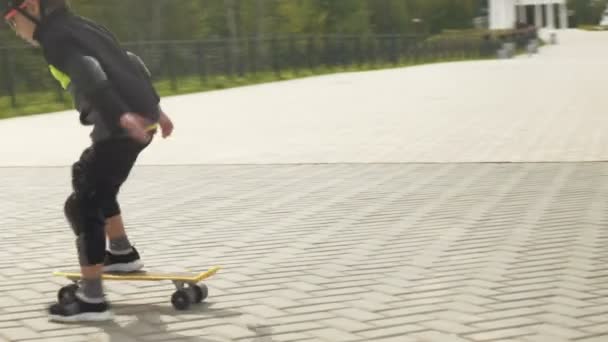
(176, 65)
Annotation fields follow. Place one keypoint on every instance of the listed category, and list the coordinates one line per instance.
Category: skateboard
(188, 291)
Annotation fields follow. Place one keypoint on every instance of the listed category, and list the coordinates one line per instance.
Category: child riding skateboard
(113, 93)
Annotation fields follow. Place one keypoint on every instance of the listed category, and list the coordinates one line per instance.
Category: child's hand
(135, 126)
(166, 125)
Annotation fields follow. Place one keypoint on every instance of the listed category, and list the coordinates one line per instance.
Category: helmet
(9, 7)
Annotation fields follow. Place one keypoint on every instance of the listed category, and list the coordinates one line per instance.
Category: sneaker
(129, 262)
(77, 310)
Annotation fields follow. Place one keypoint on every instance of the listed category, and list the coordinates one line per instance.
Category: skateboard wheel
(201, 292)
(180, 300)
(67, 293)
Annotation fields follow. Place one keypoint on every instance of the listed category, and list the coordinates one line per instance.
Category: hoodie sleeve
(85, 73)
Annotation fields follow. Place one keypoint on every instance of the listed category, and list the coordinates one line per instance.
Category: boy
(112, 92)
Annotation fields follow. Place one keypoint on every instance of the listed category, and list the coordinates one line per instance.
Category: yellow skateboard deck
(187, 290)
(145, 275)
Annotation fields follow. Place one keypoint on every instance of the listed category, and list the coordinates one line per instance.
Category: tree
(587, 12)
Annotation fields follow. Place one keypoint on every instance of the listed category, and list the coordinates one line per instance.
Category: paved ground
(391, 250)
(453, 252)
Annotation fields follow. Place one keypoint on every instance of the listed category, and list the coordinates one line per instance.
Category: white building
(505, 14)
(604, 21)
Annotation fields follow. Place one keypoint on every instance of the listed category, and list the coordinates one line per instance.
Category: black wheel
(180, 300)
(67, 293)
(201, 292)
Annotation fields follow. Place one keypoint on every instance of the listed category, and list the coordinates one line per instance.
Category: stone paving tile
(342, 252)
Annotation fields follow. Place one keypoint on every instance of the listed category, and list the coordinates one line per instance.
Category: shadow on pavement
(150, 322)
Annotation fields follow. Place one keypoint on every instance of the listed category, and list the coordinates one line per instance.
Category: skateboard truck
(185, 295)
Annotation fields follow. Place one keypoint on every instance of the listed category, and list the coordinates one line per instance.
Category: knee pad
(82, 197)
(88, 222)
(94, 241)
(73, 214)
(84, 213)
(91, 247)
(82, 185)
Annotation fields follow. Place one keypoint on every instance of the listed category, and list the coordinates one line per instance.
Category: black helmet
(8, 7)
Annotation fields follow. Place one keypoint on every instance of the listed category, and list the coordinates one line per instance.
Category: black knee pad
(79, 203)
(73, 214)
(86, 218)
(80, 183)
(91, 246)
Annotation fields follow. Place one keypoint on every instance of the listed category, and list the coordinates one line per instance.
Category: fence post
(335, 50)
(344, 53)
(326, 52)
(274, 46)
(372, 51)
(385, 54)
(226, 44)
(8, 71)
(310, 52)
(252, 51)
(239, 46)
(202, 67)
(170, 65)
(340, 48)
(358, 58)
(292, 55)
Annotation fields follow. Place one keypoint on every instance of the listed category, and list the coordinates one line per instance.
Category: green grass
(593, 28)
(469, 34)
(33, 103)
(47, 101)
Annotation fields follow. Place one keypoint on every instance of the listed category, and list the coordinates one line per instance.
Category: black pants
(96, 180)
